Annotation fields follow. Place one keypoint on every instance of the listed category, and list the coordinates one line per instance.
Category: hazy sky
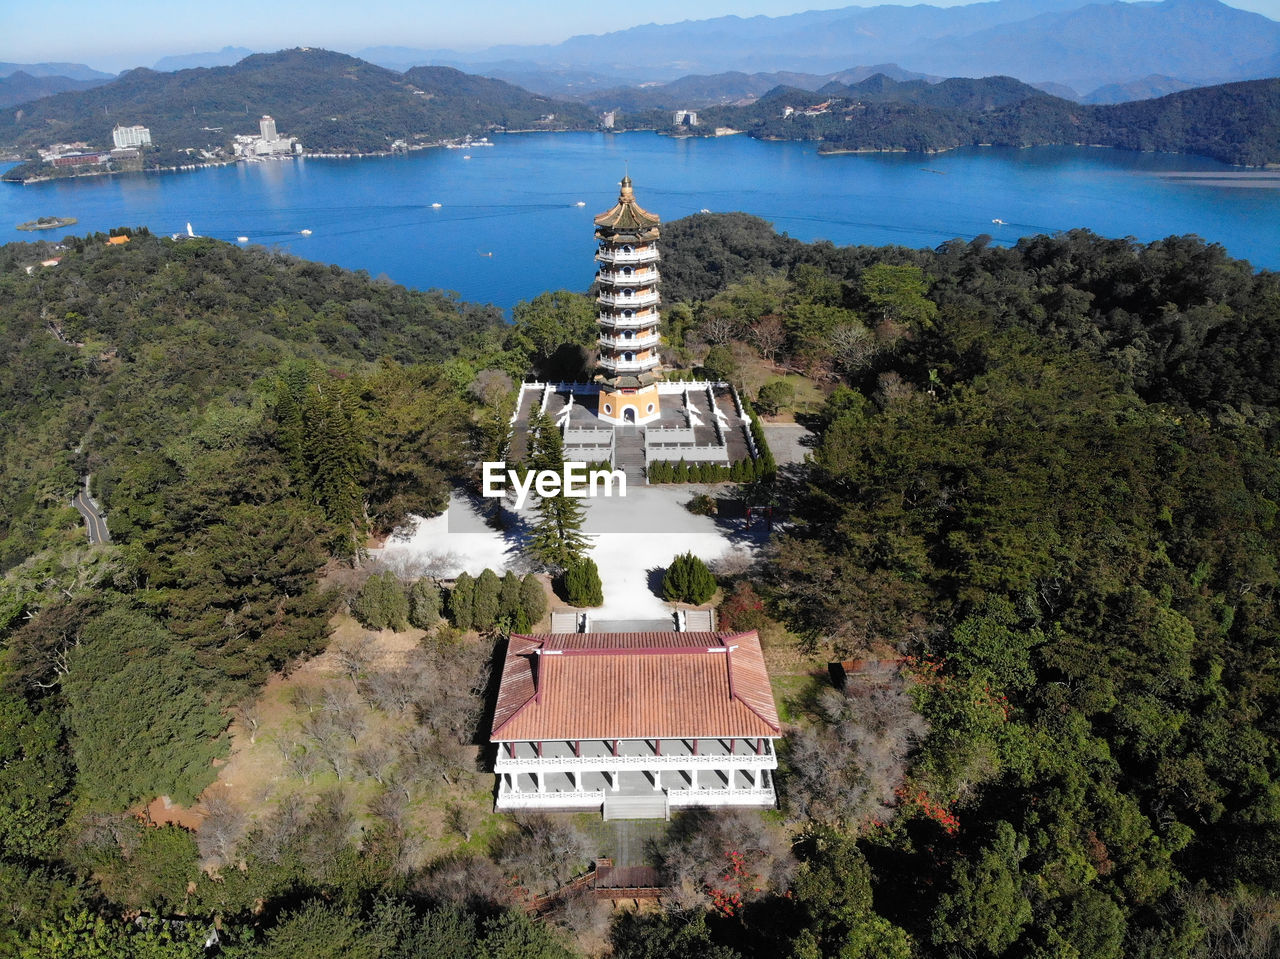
(116, 34)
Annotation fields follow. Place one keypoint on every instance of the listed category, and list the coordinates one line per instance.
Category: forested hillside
(1235, 122)
(1040, 510)
(329, 101)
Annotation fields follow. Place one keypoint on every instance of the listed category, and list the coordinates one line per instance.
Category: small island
(48, 223)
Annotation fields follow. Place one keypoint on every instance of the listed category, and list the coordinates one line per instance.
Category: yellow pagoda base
(625, 406)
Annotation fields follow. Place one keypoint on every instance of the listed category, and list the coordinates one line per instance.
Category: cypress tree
(424, 604)
(582, 584)
(485, 600)
(557, 538)
(460, 599)
(533, 601)
(509, 597)
(688, 580)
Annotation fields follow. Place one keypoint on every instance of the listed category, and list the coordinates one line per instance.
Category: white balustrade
(642, 298)
(616, 255)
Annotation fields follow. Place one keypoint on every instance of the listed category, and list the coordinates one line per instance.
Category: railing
(510, 799)
(764, 796)
(643, 276)
(643, 298)
(606, 764)
(636, 342)
(628, 366)
(647, 255)
(629, 322)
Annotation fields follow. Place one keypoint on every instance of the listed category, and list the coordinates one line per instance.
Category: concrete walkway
(634, 539)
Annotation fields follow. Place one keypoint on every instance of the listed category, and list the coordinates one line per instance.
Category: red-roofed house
(621, 721)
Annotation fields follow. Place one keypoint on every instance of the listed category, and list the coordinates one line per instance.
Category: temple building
(635, 724)
(629, 414)
(628, 311)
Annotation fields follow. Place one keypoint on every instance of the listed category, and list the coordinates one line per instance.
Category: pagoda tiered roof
(634, 686)
(627, 216)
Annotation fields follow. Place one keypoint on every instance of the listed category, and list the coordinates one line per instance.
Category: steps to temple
(629, 452)
(637, 807)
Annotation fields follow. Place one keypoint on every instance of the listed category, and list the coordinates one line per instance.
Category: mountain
(330, 101)
(72, 71)
(1066, 42)
(1145, 89)
(1198, 41)
(220, 58)
(1236, 122)
(697, 91)
(21, 87)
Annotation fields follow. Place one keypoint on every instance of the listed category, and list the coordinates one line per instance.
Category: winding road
(94, 519)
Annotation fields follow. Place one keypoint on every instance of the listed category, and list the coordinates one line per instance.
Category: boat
(190, 232)
(704, 210)
(466, 156)
(242, 239)
(305, 232)
(435, 206)
(581, 203)
(999, 221)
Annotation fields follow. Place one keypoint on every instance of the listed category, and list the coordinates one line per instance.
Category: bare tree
(461, 819)
(544, 852)
(223, 828)
(697, 855)
(298, 759)
(374, 759)
(355, 656)
(768, 335)
(852, 347)
(306, 698)
(720, 329)
(845, 770)
(469, 881)
(250, 716)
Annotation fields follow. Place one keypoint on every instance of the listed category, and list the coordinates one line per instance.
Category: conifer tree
(557, 538)
(533, 601)
(424, 604)
(460, 599)
(688, 580)
(509, 597)
(485, 600)
(582, 584)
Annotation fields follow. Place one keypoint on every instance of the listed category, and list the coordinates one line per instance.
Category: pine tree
(485, 600)
(557, 538)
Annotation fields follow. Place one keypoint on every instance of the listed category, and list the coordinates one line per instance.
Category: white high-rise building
(134, 136)
(268, 128)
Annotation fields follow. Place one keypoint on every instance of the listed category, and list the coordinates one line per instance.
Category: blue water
(508, 226)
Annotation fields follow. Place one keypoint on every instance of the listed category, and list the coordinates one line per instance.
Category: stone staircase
(636, 807)
(628, 453)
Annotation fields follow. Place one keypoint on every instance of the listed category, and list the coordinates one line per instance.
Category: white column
(693, 778)
(541, 785)
(755, 778)
(577, 779)
(657, 779)
(515, 782)
(615, 778)
(730, 777)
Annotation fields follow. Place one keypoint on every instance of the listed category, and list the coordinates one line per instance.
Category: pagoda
(628, 312)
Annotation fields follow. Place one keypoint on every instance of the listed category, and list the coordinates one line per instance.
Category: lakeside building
(269, 142)
(635, 724)
(684, 118)
(134, 136)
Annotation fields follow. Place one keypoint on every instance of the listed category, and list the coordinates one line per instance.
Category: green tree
(898, 293)
(461, 598)
(34, 776)
(424, 604)
(688, 580)
(382, 603)
(486, 600)
(556, 539)
(774, 395)
(533, 600)
(987, 907)
(582, 585)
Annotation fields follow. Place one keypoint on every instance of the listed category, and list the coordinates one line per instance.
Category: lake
(508, 225)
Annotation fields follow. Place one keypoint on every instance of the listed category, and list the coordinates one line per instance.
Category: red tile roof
(634, 686)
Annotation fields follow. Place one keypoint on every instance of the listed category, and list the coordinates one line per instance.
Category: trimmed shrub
(688, 580)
